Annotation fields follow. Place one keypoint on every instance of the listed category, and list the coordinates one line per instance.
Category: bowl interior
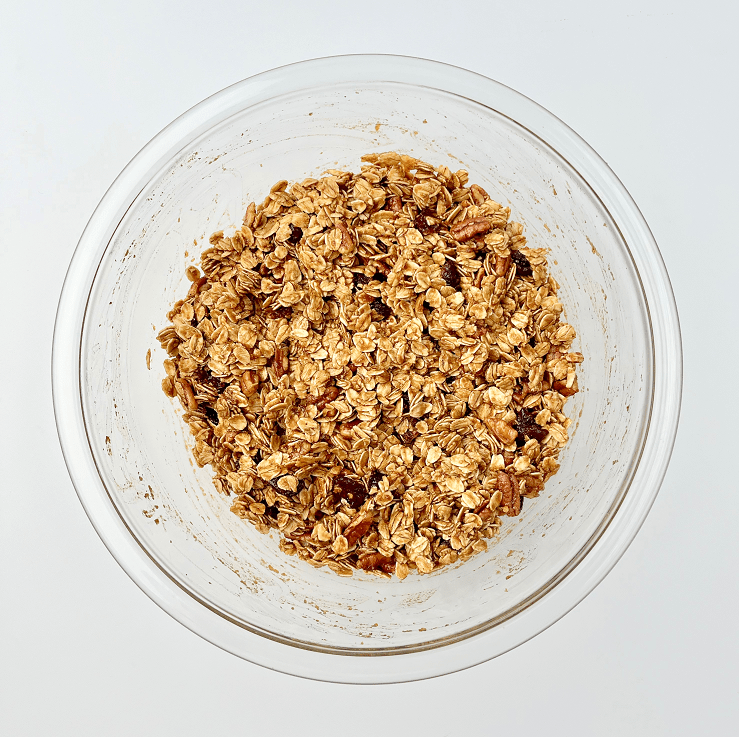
(142, 449)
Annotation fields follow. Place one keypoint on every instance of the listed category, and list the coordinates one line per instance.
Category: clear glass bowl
(128, 451)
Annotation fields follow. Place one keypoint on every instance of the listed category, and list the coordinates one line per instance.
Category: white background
(652, 86)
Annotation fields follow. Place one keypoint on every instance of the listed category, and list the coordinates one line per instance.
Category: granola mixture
(374, 365)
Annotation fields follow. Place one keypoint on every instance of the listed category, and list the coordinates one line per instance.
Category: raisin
(211, 414)
(422, 225)
(350, 489)
(523, 267)
(360, 280)
(526, 425)
(406, 404)
(204, 377)
(378, 306)
(450, 274)
(379, 276)
(295, 234)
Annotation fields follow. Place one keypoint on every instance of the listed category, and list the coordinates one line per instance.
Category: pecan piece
(347, 242)
(188, 397)
(511, 501)
(394, 203)
(563, 389)
(375, 561)
(501, 265)
(469, 228)
(249, 383)
(409, 436)
(326, 398)
(357, 528)
(280, 361)
(503, 431)
(478, 194)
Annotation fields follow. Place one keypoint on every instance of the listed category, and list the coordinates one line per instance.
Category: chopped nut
(503, 431)
(470, 228)
(511, 499)
(376, 561)
(357, 528)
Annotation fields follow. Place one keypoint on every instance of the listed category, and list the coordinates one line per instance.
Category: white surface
(653, 651)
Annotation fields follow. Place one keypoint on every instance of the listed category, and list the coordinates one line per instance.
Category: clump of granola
(374, 365)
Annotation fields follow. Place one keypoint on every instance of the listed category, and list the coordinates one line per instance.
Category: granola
(375, 366)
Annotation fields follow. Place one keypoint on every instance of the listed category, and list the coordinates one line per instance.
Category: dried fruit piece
(450, 274)
(211, 414)
(374, 481)
(378, 306)
(295, 234)
(526, 425)
(523, 267)
(350, 489)
(360, 280)
(422, 225)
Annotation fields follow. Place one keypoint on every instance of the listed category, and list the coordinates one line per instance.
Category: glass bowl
(128, 450)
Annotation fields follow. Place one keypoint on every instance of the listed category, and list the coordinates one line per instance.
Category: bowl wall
(141, 447)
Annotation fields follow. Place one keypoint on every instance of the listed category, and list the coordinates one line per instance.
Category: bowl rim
(360, 667)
